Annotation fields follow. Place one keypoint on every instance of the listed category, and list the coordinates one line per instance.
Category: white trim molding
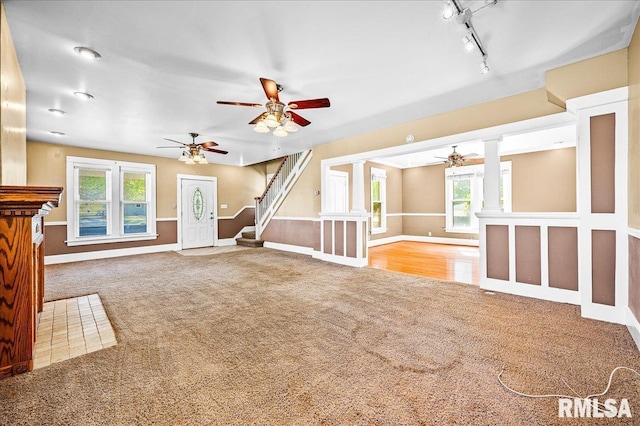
(634, 327)
(310, 219)
(237, 213)
(308, 251)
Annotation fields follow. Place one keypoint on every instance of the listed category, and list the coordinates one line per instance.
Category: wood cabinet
(22, 209)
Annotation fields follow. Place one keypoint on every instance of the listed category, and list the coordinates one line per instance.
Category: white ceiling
(381, 63)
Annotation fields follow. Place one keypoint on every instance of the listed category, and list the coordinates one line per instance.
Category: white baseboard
(342, 260)
(634, 327)
(421, 239)
(291, 248)
(533, 291)
(614, 314)
(387, 240)
(105, 254)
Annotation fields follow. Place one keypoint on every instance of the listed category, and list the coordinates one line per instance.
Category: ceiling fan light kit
(194, 153)
(279, 116)
(455, 159)
(471, 41)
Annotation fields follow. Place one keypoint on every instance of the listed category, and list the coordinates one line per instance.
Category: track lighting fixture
(484, 68)
(471, 41)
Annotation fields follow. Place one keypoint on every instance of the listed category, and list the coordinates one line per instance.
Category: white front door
(338, 200)
(198, 215)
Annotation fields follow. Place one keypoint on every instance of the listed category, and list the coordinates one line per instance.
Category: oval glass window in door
(198, 204)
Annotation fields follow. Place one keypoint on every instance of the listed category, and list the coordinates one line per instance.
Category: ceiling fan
(192, 152)
(279, 116)
(455, 159)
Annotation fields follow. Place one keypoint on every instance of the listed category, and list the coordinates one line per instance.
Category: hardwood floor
(440, 261)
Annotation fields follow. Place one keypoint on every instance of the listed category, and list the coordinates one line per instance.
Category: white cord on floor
(567, 396)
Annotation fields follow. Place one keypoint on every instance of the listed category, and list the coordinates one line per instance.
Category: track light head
(468, 41)
(484, 68)
(448, 10)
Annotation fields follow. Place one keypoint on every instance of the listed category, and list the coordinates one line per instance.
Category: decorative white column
(492, 176)
(358, 187)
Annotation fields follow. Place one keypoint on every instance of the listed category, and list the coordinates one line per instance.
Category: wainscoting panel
(528, 255)
(563, 257)
(498, 252)
(603, 272)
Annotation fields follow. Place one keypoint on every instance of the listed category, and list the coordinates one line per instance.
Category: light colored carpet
(266, 337)
(206, 251)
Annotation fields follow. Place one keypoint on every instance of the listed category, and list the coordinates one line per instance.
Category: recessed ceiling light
(58, 133)
(55, 111)
(83, 95)
(85, 52)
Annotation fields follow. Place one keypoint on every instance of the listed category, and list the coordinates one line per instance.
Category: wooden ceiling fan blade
(208, 144)
(171, 140)
(217, 151)
(300, 121)
(270, 88)
(310, 103)
(475, 161)
(255, 120)
(239, 104)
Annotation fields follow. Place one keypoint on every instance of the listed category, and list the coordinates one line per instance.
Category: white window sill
(378, 231)
(106, 240)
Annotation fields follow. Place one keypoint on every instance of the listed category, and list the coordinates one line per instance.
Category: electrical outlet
(223, 206)
(429, 233)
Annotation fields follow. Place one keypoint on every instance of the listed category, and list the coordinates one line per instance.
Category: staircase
(248, 239)
(281, 183)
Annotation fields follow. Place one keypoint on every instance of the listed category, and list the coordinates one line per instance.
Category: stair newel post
(258, 216)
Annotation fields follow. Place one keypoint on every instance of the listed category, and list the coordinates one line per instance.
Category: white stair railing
(278, 187)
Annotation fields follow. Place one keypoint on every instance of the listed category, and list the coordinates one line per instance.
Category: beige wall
(593, 75)
(634, 130)
(236, 185)
(541, 182)
(544, 181)
(13, 140)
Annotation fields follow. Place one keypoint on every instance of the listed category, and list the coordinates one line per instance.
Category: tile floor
(72, 327)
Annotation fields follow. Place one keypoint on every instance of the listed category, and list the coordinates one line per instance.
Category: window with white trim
(378, 200)
(464, 195)
(110, 201)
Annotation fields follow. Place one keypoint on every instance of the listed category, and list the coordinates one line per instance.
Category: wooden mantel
(28, 200)
(22, 271)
